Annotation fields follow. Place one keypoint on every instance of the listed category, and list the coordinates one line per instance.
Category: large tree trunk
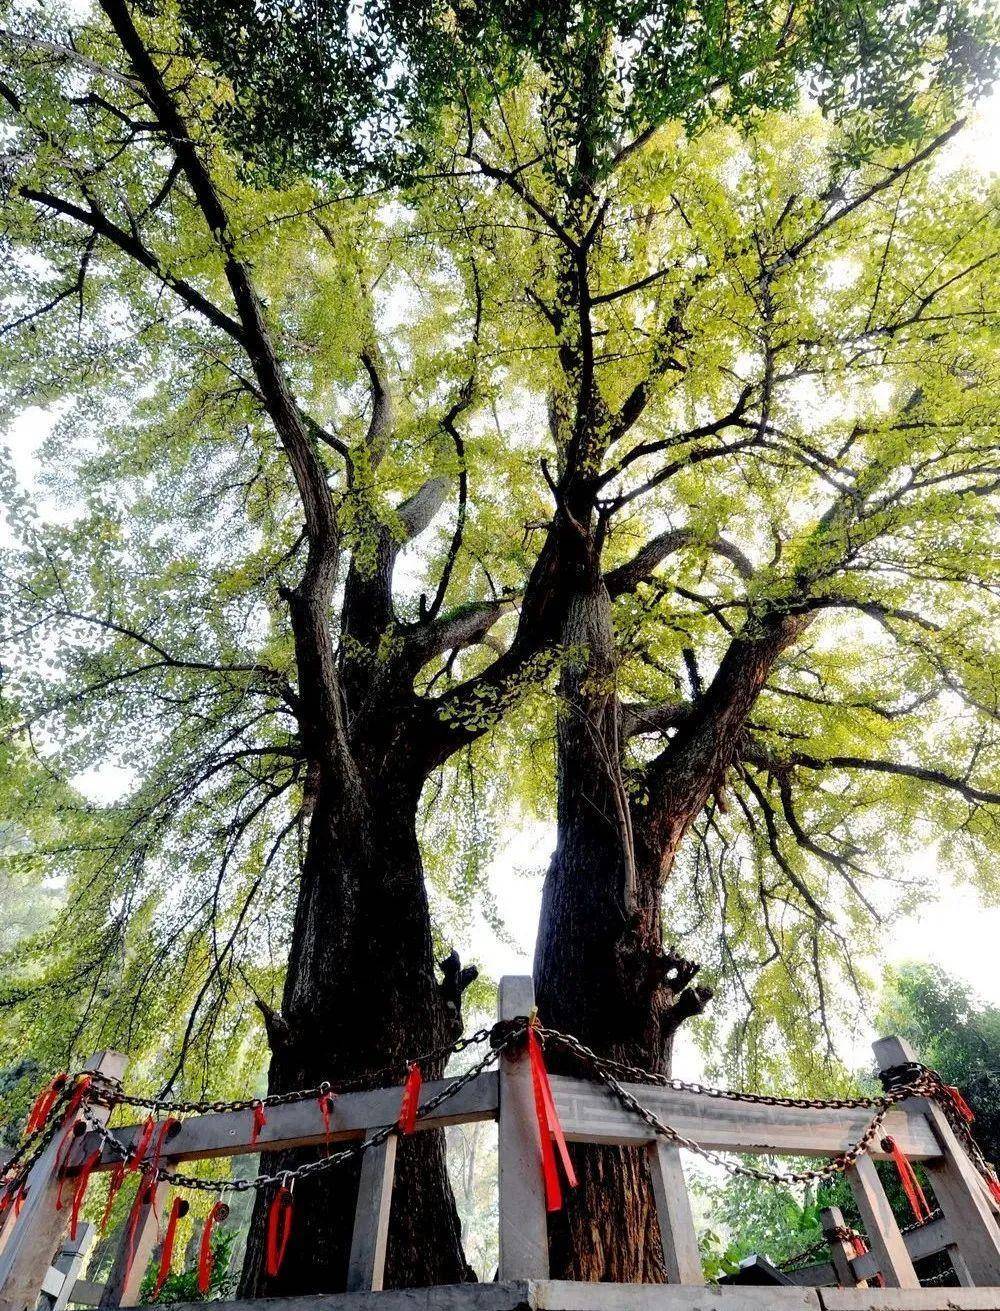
(600, 969)
(361, 994)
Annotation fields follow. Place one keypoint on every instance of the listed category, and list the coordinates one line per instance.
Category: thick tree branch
(418, 511)
(892, 175)
(628, 576)
(638, 717)
(465, 626)
(383, 412)
(97, 221)
(937, 777)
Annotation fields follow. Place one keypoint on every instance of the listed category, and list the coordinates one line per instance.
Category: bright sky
(956, 932)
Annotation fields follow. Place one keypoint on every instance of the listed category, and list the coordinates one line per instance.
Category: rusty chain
(836, 1165)
(907, 1081)
(902, 1082)
(635, 1074)
(287, 1177)
(111, 1095)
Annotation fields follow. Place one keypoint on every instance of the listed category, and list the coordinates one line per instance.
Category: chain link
(902, 1082)
(111, 1095)
(165, 1174)
(634, 1074)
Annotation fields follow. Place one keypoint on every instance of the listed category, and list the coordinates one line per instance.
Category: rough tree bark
(601, 970)
(361, 994)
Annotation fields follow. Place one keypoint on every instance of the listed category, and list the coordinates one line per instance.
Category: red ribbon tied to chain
(411, 1098)
(178, 1209)
(960, 1104)
(206, 1259)
(62, 1158)
(42, 1106)
(145, 1196)
(279, 1229)
(911, 1184)
(550, 1132)
(117, 1179)
(141, 1144)
(76, 1101)
(80, 1191)
(11, 1192)
(325, 1103)
(149, 1144)
(258, 1121)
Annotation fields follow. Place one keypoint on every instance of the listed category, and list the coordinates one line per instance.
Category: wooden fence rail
(38, 1264)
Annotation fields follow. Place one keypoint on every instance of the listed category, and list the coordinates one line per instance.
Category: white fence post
(957, 1184)
(524, 1244)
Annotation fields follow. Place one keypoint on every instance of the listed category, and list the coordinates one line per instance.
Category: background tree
(953, 1030)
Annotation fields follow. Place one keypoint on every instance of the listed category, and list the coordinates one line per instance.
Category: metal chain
(836, 1165)
(924, 1083)
(111, 1095)
(37, 1141)
(634, 1074)
(165, 1174)
(23, 1160)
(911, 1080)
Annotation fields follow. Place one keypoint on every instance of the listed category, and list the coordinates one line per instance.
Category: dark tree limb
(626, 577)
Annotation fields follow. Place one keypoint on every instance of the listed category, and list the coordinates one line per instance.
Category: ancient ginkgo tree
(765, 355)
(705, 379)
(206, 597)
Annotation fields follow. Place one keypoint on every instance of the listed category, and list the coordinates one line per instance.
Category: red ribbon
(80, 1191)
(994, 1186)
(178, 1209)
(117, 1179)
(279, 1229)
(42, 1106)
(9, 1194)
(259, 1120)
(911, 1184)
(141, 1144)
(145, 1196)
(961, 1105)
(860, 1248)
(549, 1129)
(411, 1098)
(325, 1102)
(62, 1159)
(206, 1260)
(22, 1193)
(75, 1102)
(162, 1134)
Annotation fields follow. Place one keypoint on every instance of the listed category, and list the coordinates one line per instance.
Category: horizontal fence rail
(38, 1262)
(589, 1115)
(300, 1124)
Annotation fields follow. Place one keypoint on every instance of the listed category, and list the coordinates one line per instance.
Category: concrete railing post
(957, 1185)
(524, 1246)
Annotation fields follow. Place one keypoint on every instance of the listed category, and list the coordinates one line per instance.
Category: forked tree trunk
(600, 969)
(360, 994)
